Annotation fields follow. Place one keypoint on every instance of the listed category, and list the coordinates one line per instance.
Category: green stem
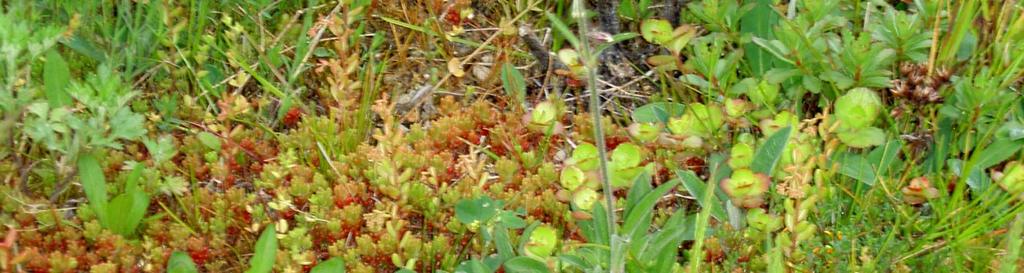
(590, 64)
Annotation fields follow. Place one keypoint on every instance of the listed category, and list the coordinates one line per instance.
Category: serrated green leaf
(56, 79)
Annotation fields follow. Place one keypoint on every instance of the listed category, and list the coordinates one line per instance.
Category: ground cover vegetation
(511, 136)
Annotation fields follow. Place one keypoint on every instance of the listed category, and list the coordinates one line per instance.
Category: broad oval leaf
(180, 262)
(94, 183)
(479, 210)
(525, 265)
(658, 112)
(262, 260)
(472, 266)
(209, 140)
(125, 212)
(333, 265)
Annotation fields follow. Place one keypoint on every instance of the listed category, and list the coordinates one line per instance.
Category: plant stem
(590, 64)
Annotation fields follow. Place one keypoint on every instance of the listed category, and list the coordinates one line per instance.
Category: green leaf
(596, 229)
(262, 260)
(977, 180)
(656, 31)
(666, 241)
(209, 140)
(641, 186)
(511, 220)
(998, 151)
(513, 83)
(885, 156)
(626, 155)
(56, 78)
(525, 265)
(658, 112)
(180, 262)
(768, 154)
(696, 187)
(542, 241)
(503, 243)
(160, 150)
(478, 210)
(639, 218)
(333, 265)
(94, 184)
(862, 138)
(562, 29)
(856, 166)
(472, 266)
(126, 211)
(759, 21)
(779, 75)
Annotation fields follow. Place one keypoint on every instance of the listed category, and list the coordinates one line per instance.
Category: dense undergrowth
(466, 136)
